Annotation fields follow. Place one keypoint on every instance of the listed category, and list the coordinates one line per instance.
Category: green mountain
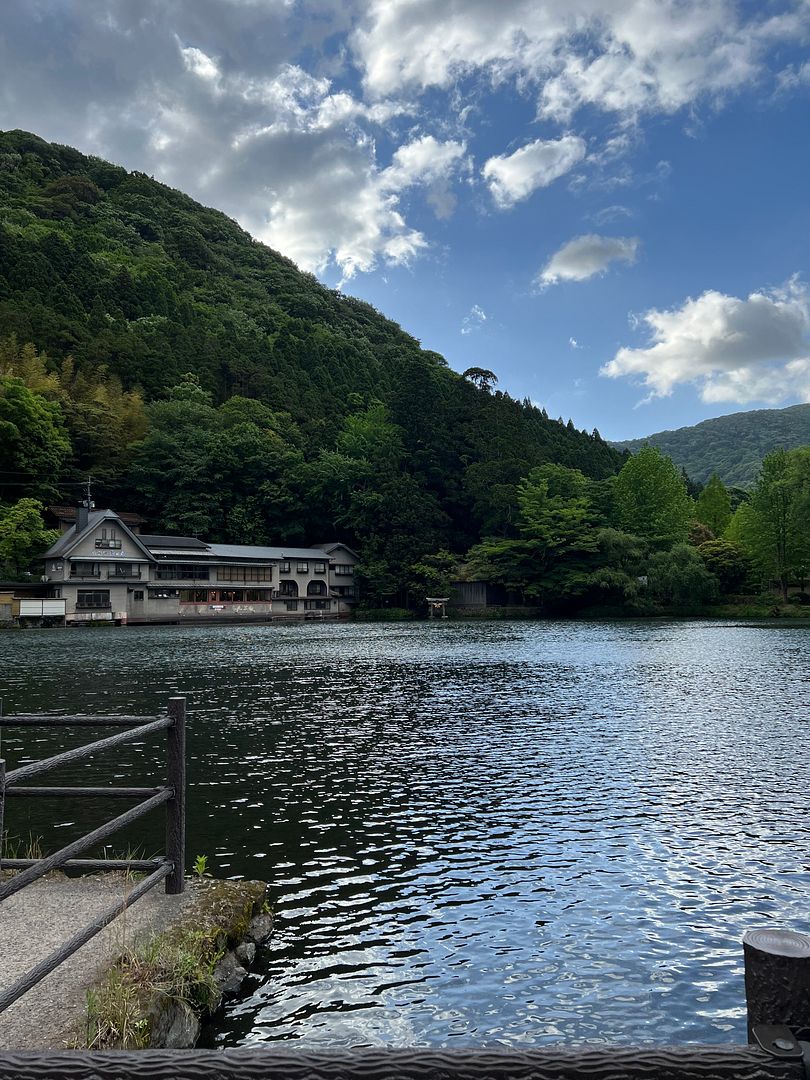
(140, 285)
(732, 446)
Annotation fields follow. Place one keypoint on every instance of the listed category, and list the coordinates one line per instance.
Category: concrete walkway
(38, 919)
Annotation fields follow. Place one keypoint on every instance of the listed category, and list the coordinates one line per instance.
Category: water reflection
(475, 834)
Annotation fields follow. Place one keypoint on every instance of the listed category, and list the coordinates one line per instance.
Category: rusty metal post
(176, 806)
(777, 980)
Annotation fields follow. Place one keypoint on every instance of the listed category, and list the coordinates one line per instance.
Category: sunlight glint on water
(476, 833)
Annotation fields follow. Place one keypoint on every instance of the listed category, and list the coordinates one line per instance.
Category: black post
(777, 980)
(176, 806)
(2, 805)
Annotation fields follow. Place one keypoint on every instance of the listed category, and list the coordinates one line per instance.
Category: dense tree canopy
(202, 380)
(651, 498)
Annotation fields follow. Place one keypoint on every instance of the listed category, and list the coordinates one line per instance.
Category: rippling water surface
(475, 834)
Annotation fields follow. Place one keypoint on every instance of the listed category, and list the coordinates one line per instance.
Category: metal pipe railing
(169, 869)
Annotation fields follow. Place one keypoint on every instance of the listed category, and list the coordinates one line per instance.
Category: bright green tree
(651, 500)
(778, 535)
(713, 505)
(23, 537)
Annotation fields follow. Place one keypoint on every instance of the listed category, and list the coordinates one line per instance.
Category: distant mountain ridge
(732, 446)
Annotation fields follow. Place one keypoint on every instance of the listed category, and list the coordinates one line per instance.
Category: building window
(319, 568)
(288, 588)
(57, 594)
(93, 600)
(245, 573)
(194, 596)
(291, 605)
(123, 571)
(284, 567)
(302, 568)
(137, 594)
(165, 594)
(344, 568)
(317, 605)
(181, 572)
(346, 591)
(231, 596)
(85, 569)
(108, 540)
(261, 596)
(316, 588)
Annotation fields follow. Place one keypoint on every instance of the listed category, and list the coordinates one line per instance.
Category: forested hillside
(206, 382)
(731, 446)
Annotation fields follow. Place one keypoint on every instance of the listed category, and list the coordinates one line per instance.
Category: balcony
(123, 573)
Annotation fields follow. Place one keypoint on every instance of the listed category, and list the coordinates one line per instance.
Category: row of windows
(225, 596)
(191, 572)
(181, 572)
(314, 588)
(245, 573)
(99, 599)
(93, 600)
(301, 567)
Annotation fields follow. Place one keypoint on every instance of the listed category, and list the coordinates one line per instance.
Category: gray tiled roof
(250, 551)
(69, 538)
(174, 542)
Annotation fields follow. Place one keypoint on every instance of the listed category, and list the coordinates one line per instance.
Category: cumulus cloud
(207, 96)
(513, 177)
(253, 106)
(585, 256)
(626, 58)
(732, 349)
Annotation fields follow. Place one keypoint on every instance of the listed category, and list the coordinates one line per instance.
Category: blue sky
(604, 201)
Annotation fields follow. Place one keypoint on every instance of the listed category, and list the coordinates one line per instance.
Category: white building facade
(107, 572)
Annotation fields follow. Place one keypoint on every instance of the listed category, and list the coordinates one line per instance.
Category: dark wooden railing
(169, 868)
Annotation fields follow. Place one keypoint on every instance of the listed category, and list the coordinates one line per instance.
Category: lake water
(474, 833)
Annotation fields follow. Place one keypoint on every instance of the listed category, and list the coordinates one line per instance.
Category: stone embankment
(148, 980)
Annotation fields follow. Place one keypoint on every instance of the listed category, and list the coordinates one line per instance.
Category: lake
(475, 833)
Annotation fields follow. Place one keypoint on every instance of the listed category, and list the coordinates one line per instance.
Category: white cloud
(572, 341)
(611, 213)
(587, 255)
(473, 320)
(207, 96)
(514, 177)
(732, 349)
(199, 64)
(627, 58)
(427, 161)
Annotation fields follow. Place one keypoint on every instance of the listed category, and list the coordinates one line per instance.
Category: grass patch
(177, 965)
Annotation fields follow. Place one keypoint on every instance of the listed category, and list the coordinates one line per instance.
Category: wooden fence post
(176, 806)
(777, 980)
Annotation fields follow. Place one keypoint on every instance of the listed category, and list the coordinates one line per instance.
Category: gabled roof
(329, 548)
(71, 539)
